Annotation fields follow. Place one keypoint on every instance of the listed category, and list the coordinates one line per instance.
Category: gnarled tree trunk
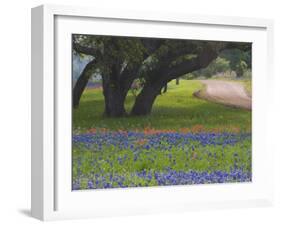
(115, 90)
(82, 82)
(114, 95)
(146, 98)
(114, 102)
(164, 74)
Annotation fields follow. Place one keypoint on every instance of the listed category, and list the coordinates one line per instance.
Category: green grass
(116, 159)
(177, 108)
(248, 86)
(92, 164)
(208, 158)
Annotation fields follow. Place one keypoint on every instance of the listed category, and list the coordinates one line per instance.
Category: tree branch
(85, 50)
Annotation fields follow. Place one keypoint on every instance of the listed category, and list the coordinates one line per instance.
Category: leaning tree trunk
(146, 98)
(82, 83)
(162, 76)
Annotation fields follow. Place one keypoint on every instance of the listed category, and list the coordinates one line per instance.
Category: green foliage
(114, 54)
(229, 60)
(240, 68)
(217, 66)
(182, 59)
(173, 53)
(234, 57)
(247, 74)
(239, 60)
(113, 51)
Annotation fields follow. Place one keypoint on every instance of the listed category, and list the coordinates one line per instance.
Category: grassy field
(114, 160)
(184, 140)
(177, 108)
(248, 86)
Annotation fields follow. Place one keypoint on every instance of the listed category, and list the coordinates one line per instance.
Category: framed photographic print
(135, 112)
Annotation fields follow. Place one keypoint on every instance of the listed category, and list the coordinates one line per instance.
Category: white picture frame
(52, 197)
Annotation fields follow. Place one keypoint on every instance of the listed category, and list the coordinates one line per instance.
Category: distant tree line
(229, 60)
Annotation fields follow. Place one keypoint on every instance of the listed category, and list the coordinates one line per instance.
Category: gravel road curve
(225, 92)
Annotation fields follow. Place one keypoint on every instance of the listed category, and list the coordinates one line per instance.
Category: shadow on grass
(165, 117)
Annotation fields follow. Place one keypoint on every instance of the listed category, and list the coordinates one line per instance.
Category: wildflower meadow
(151, 111)
(156, 150)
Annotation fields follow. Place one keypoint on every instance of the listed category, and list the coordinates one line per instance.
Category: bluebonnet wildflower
(142, 149)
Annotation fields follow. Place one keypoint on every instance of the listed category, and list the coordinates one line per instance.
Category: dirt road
(225, 92)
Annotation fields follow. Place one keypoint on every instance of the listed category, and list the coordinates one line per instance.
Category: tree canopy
(155, 62)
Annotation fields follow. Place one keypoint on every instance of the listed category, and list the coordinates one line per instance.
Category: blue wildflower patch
(137, 159)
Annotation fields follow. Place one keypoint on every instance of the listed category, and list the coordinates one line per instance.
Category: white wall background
(15, 111)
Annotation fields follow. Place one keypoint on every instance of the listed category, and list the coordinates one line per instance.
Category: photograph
(150, 111)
